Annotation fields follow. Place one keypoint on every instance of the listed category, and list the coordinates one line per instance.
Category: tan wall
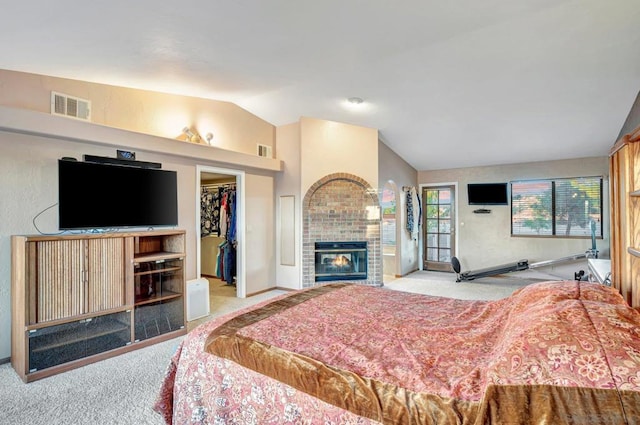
(397, 172)
(329, 147)
(147, 112)
(259, 233)
(484, 240)
(288, 184)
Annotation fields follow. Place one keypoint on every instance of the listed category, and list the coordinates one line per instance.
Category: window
(559, 207)
(388, 206)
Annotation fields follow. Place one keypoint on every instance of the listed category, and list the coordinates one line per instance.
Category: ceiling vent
(70, 106)
(264, 151)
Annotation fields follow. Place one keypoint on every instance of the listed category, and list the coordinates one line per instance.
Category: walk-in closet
(218, 231)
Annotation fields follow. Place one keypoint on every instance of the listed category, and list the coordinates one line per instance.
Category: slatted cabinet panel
(59, 289)
(106, 274)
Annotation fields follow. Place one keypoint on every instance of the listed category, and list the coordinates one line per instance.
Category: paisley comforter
(553, 352)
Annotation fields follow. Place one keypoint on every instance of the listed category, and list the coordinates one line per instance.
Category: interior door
(439, 227)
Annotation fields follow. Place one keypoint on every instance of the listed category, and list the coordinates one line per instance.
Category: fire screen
(340, 261)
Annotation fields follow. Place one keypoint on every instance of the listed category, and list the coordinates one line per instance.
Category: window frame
(554, 208)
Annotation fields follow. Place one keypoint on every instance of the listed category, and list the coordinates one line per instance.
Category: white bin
(197, 298)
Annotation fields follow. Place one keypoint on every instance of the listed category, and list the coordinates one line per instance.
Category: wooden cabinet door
(56, 280)
(71, 277)
(105, 274)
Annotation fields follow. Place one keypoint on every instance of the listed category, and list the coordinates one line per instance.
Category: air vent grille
(264, 151)
(70, 106)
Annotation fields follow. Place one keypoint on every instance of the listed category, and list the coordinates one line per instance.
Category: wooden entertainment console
(77, 299)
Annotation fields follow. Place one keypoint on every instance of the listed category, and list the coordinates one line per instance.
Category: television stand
(80, 298)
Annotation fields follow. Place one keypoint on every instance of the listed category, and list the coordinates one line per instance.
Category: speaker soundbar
(117, 161)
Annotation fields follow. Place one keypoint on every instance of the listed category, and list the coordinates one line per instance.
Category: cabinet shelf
(104, 329)
(166, 295)
(165, 270)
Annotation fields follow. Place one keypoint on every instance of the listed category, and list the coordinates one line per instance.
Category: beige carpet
(445, 285)
(223, 300)
(122, 390)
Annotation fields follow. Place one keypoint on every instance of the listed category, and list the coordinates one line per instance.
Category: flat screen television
(488, 194)
(104, 196)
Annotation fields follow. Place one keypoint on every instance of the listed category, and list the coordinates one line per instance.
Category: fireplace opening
(340, 261)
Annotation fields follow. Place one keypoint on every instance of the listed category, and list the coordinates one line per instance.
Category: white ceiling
(447, 83)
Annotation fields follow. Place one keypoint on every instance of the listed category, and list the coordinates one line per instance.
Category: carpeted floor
(122, 390)
(445, 285)
(223, 300)
(118, 391)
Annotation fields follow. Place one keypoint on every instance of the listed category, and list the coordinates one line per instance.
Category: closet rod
(218, 185)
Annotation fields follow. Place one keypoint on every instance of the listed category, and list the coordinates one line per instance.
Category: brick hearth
(341, 207)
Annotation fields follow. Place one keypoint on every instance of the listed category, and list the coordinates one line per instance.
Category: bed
(553, 352)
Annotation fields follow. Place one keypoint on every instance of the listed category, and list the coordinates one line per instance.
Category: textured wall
(398, 173)
(143, 111)
(484, 240)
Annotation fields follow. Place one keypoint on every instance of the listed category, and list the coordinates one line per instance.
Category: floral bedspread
(553, 352)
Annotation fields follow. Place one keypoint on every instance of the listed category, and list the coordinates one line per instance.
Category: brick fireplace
(340, 261)
(341, 211)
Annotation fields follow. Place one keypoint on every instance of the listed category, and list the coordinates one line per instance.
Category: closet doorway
(220, 235)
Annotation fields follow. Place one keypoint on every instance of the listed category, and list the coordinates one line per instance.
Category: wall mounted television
(104, 196)
(488, 194)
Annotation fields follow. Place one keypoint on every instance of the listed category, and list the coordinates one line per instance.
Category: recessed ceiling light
(355, 100)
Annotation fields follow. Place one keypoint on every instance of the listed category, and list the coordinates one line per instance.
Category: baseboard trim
(6, 360)
(407, 273)
(269, 289)
(285, 289)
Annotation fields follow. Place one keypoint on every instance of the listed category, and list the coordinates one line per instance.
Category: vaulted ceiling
(447, 83)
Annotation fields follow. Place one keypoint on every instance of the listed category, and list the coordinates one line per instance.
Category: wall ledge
(22, 121)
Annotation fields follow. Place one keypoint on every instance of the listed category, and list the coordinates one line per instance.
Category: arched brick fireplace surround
(342, 207)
